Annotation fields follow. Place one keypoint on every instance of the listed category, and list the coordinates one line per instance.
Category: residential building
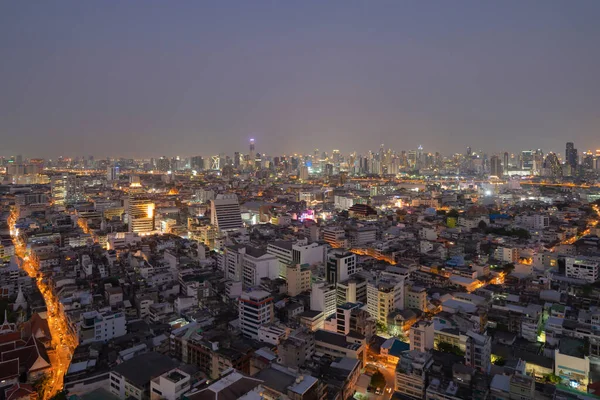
(255, 310)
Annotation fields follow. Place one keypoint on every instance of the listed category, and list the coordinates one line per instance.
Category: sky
(151, 78)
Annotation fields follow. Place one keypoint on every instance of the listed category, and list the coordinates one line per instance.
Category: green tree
(62, 395)
(552, 378)
(482, 225)
(450, 348)
(378, 380)
(452, 213)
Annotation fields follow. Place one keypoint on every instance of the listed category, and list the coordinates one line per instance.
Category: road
(62, 341)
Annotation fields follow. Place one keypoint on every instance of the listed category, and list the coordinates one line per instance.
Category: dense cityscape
(299, 200)
(386, 274)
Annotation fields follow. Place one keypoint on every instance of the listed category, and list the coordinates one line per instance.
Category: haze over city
(121, 79)
(299, 200)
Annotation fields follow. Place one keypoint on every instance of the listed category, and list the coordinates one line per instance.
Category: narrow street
(63, 342)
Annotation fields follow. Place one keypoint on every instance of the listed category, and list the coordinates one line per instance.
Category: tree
(450, 348)
(482, 225)
(552, 378)
(452, 213)
(62, 395)
(378, 380)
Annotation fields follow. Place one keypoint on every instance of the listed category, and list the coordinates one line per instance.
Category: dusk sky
(151, 78)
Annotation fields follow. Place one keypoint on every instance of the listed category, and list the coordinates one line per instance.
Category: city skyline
(507, 76)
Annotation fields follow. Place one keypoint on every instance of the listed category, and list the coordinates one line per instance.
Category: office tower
(112, 173)
(252, 150)
(527, 160)
(469, 152)
(215, 163)
(495, 166)
(225, 212)
(588, 161)
(255, 310)
(197, 163)
(571, 155)
(505, 164)
(420, 161)
(58, 189)
(163, 164)
(553, 166)
(340, 265)
(140, 214)
(385, 296)
(236, 159)
(66, 189)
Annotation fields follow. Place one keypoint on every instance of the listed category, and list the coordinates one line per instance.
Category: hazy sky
(147, 78)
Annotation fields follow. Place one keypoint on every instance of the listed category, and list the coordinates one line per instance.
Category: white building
(272, 333)
(340, 266)
(536, 221)
(383, 297)
(478, 350)
(255, 310)
(422, 336)
(170, 386)
(225, 212)
(323, 297)
(298, 279)
(343, 202)
(101, 326)
(288, 252)
(580, 267)
(258, 264)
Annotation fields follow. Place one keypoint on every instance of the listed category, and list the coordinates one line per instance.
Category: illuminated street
(62, 342)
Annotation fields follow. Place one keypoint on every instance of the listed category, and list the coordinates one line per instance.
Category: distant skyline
(144, 79)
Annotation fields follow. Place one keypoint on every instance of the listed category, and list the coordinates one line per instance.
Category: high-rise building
(225, 212)
(255, 310)
(66, 189)
(505, 164)
(303, 173)
(571, 155)
(163, 164)
(323, 297)
(527, 160)
(197, 163)
(340, 265)
(385, 296)
(140, 214)
(112, 173)
(496, 166)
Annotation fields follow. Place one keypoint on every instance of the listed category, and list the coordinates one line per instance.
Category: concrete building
(140, 214)
(225, 212)
(101, 326)
(478, 350)
(170, 386)
(384, 296)
(131, 379)
(340, 266)
(255, 310)
(422, 336)
(323, 298)
(289, 253)
(581, 267)
(298, 279)
(411, 373)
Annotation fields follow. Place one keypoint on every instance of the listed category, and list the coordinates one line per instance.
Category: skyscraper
(505, 164)
(495, 166)
(140, 214)
(571, 155)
